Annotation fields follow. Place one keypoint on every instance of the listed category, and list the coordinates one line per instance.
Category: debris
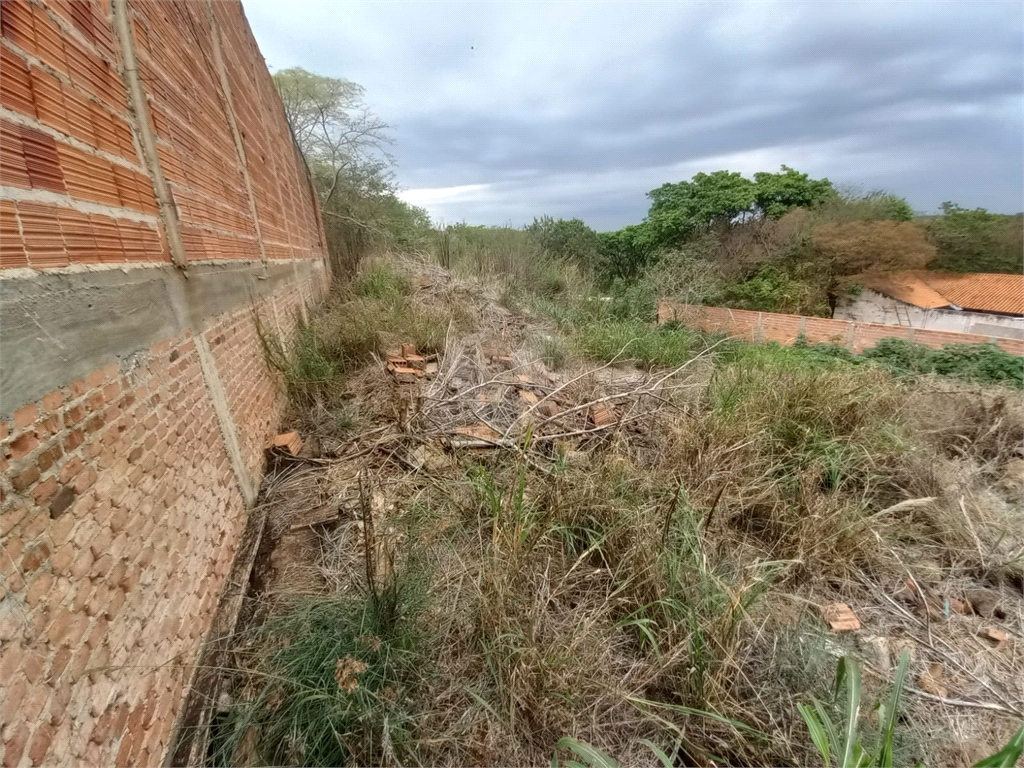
(346, 672)
(601, 415)
(505, 361)
(840, 617)
(931, 681)
(983, 601)
(525, 379)
(480, 431)
(406, 375)
(322, 516)
(527, 396)
(408, 349)
(900, 644)
(290, 442)
(436, 460)
(430, 369)
(994, 635)
(416, 361)
(417, 457)
(878, 648)
(477, 436)
(548, 408)
(959, 606)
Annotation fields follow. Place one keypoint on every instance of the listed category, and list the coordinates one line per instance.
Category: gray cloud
(507, 111)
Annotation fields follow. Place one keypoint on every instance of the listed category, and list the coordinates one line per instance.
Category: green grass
(332, 689)
(974, 363)
(375, 311)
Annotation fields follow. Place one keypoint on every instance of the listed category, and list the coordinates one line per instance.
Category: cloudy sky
(503, 111)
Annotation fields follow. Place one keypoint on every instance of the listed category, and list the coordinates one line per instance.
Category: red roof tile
(979, 292)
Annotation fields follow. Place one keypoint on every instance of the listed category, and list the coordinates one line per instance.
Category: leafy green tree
(777, 193)
(687, 208)
(568, 239)
(977, 240)
(626, 252)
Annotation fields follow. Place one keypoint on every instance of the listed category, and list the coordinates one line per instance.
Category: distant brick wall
(130, 455)
(785, 329)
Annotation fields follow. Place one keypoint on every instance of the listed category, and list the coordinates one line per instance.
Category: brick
(45, 490)
(11, 661)
(100, 541)
(74, 415)
(32, 666)
(24, 445)
(98, 634)
(111, 391)
(114, 603)
(33, 703)
(85, 480)
(53, 401)
(60, 662)
(70, 470)
(48, 426)
(35, 557)
(16, 738)
(73, 439)
(39, 587)
(40, 743)
(25, 416)
(82, 564)
(62, 559)
(101, 566)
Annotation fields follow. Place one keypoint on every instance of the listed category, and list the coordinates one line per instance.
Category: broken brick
(601, 415)
(840, 617)
(290, 442)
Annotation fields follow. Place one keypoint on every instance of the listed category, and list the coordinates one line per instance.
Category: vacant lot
(574, 524)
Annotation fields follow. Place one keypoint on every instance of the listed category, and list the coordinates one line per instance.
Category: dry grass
(656, 578)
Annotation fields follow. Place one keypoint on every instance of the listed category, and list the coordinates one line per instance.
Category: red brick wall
(120, 506)
(120, 518)
(766, 326)
(67, 141)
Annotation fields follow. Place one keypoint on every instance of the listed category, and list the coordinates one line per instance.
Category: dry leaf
(932, 680)
(994, 635)
(346, 672)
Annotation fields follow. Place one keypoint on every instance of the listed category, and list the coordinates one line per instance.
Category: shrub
(978, 363)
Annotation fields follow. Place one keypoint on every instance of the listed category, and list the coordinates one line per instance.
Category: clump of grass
(333, 689)
(375, 311)
(554, 352)
(610, 339)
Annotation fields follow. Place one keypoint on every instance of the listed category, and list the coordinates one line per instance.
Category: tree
(343, 142)
(977, 240)
(569, 239)
(687, 208)
(777, 193)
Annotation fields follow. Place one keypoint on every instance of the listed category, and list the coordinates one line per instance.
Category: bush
(977, 363)
(772, 290)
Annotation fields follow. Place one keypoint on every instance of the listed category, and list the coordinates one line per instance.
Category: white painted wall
(873, 307)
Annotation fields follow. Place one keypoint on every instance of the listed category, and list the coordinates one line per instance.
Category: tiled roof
(974, 291)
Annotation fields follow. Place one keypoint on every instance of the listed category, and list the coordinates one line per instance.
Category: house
(985, 304)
